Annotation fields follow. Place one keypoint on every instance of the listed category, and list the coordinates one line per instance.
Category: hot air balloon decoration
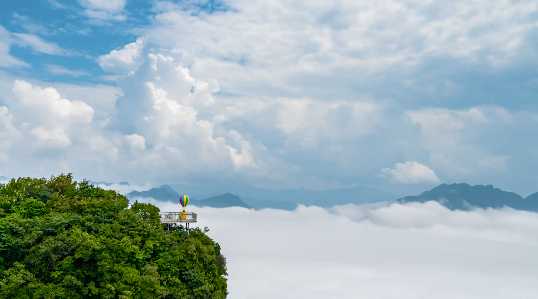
(183, 201)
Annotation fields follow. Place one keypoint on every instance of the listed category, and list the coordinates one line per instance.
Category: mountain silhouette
(465, 197)
(454, 196)
(221, 201)
(166, 193)
(162, 193)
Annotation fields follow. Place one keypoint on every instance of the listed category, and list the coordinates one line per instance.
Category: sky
(383, 251)
(396, 95)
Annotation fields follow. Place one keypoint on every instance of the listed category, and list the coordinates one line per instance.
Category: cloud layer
(396, 95)
(376, 251)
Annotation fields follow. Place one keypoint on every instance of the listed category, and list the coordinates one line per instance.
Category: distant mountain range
(3, 179)
(163, 193)
(257, 198)
(221, 201)
(453, 196)
(287, 199)
(465, 197)
(166, 193)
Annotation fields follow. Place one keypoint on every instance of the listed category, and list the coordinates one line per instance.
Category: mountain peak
(162, 193)
(222, 201)
(168, 189)
(464, 196)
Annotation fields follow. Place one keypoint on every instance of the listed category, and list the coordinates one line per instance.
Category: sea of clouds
(382, 250)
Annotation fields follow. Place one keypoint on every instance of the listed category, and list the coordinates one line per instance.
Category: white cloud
(125, 189)
(283, 48)
(57, 136)
(38, 45)
(101, 15)
(48, 131)
(169, 125)
(101, 98)
(315, 122)
(411, 172)
(324, 87)
(46, 106)
(8, 133)
(449, 136)
(160, 107)
(56, 4)
(384, 251)
(6, 59)
(136, 141)
(60, 70)
(124, 60)
(29, 25)
(444, 128)
(104, 9)
(107, 5)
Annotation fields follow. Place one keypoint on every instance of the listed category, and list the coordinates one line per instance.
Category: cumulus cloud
(346, 44)
(8, 133)
(322, 86)
(46, 106)
(375, 251)
(161, 105)
(48, 132)
(136, 141)
(163, 122)
(123, 60)
(444, 128)
(411, 172)
(450, 136)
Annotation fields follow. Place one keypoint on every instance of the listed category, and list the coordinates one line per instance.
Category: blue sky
(398, 95)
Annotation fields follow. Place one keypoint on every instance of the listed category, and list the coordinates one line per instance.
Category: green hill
(63, 239)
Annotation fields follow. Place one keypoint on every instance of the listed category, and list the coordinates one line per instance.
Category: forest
(65, 239)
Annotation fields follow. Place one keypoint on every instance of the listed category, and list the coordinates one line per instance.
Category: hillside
(464, 197)
(63, 239)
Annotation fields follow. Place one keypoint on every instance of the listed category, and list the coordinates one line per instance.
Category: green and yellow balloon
(184, 200)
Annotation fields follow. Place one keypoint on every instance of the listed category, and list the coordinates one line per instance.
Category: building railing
(178, 216)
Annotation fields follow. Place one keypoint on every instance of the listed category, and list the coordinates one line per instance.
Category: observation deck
(188, 217)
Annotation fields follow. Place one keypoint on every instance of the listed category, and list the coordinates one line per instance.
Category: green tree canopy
(63, 239)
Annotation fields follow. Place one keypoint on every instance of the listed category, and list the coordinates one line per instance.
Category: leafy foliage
(63, 239)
